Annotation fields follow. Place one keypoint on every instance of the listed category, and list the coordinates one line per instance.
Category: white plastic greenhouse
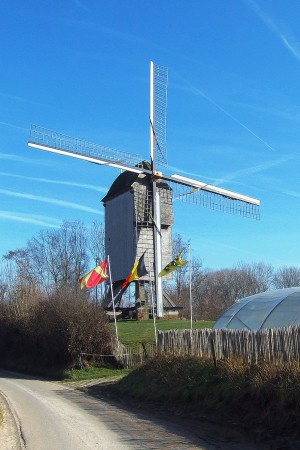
(270, 309)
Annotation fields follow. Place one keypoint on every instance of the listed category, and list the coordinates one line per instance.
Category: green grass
(92, 373)
(261, 397)
(137, 331)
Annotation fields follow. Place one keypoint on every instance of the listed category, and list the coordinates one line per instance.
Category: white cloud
(15, 127)
(64, 183)
(278, 28)
(223, 110)
(81, 5)
(50, 200)
(11, 157)
(33, 219)
(254, 169)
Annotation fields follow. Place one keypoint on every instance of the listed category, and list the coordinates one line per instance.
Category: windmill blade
(213, 197)
(52, 141)
(158, 113)
(213, 189)
(184, 188)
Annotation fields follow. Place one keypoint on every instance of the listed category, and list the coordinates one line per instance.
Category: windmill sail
(185, 189)
(159, 119)
(148, 217)
(213, 197)
(52, 141)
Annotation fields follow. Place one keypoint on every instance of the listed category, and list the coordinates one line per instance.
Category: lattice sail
(213, 201)
(160, 114)
(52, 139)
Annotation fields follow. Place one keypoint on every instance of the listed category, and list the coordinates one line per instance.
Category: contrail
(34, 219)
(52, 201)
(289, 42)
(198, 91)
(64, 183)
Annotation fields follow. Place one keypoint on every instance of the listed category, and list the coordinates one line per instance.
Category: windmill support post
(157, 251)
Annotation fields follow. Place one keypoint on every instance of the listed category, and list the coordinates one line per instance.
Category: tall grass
(261, 397)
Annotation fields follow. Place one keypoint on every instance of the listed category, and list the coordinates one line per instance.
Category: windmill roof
(124, 182)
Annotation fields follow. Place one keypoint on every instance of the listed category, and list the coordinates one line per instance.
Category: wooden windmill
(140, 200)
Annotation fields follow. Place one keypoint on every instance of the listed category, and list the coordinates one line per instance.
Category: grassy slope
(262, 399)
(133, 331)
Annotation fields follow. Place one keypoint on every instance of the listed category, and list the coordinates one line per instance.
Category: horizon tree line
(53, 261)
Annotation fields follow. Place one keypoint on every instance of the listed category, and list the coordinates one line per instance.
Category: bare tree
(220, 289)
(96, 243)
(258, 277)
(286, 277)
(180, 276)
(60, 256)
(54, 259)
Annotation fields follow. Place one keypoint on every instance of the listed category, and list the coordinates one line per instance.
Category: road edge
(10, 429)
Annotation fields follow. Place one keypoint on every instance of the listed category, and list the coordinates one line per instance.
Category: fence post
(213, 353)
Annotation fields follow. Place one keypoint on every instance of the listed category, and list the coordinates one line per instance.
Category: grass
(260, 398)
(130, 332)
(92, 373)
(140, 331)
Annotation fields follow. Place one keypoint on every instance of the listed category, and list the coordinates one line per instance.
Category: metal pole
(190, 282)
(112, 298)
(97, 260)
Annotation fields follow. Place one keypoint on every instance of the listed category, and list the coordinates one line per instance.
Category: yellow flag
(173, 265)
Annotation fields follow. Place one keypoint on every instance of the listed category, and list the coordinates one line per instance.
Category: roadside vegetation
(48, 335)
(260, 399)
(94, 373)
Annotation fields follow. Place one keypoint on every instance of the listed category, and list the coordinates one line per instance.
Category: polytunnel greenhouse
(270, 309)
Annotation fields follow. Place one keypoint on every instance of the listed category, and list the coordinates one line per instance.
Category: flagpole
(112, 298)
(153, 312)
(190, 282)
(97, 262)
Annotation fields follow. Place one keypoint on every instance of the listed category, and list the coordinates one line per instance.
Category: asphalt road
(50, 416)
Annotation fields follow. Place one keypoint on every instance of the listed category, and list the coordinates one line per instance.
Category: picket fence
(274, 344)
(131, 356)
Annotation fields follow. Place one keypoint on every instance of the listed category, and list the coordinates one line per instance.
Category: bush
(53, 332)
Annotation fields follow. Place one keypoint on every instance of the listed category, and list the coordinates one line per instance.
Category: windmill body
(138, 206)
(129, 224)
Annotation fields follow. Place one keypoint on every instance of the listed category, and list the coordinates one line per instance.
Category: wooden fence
(276, 344)
(130, 356)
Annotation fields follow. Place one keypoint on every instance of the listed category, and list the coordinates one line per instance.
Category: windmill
(155, 188)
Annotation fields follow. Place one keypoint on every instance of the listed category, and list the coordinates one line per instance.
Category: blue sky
(81, 67)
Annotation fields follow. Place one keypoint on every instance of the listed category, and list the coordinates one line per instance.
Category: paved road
(52, 417)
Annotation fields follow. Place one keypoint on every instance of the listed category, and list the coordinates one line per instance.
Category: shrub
(53, 332)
